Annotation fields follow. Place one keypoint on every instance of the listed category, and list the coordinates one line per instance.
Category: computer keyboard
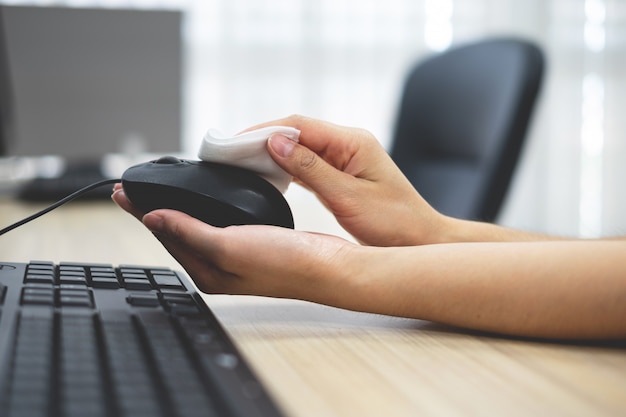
(56, 188)
(97, 340)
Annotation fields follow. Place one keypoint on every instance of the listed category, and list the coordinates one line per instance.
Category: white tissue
(248, 150)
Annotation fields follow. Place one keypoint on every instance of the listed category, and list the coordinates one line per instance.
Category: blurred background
(249, 61)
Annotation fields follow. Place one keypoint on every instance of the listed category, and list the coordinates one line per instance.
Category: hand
(354, 177)
(259, 260)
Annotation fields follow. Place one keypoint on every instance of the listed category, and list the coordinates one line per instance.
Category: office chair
(462, 121)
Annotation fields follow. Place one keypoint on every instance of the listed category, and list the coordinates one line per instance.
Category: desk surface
(320, 361)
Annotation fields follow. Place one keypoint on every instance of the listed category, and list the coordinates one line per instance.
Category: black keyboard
(77, 174)
(97, 340)
(54, 189)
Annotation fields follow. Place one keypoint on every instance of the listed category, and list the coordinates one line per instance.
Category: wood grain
(321, 361)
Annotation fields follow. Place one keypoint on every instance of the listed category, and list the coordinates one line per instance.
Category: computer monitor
(6, 94)
(86, 82)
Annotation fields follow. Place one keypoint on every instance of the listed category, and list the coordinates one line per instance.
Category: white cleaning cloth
(248, 150)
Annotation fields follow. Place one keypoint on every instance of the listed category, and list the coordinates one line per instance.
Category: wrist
(436, 228)
(454, 230)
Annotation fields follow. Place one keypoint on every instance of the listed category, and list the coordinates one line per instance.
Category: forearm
(457, 230)
(453, 230)
(561, 289)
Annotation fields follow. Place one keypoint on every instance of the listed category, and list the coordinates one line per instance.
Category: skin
(411, 261)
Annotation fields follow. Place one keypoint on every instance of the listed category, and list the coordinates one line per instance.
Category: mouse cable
(59, 204)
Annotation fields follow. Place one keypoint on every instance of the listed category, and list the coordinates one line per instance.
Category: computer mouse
(218, 194)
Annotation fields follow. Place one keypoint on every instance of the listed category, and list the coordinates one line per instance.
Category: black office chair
(462, 121)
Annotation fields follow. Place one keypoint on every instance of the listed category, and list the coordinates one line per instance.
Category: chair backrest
(462, 121)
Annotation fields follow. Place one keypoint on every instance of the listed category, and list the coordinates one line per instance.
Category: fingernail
(116, 193)
(282, 145)
(153, 222)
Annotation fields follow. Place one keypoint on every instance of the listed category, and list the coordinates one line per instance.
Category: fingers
(179, 226)
(251, 259)
(207, 276)
(119, 197)
(195, 246)
(333, 142)
(309, 168)
(221, 247)
(315, 134)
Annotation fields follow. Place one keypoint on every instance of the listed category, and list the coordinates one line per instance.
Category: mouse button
(255, 200)
(147, 173)
(168, 160)
(266, 205)
(277, 213)
(201, 206)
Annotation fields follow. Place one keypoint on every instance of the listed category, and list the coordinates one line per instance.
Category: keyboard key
(39, 278)
(133, 273)
(143, 299)
(73, 280)
(71, 269)
(137, 284)
(177, 298)
(41, 266)
(180, 304)
(102, 270)
(167, 281)
(38, 296)
(104, 282)
(135, 279)
(75, 298)
(103, 277)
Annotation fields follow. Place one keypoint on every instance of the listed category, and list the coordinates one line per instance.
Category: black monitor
(87, 81)
(6, 95)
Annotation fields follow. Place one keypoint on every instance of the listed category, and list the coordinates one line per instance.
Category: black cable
(58, 204)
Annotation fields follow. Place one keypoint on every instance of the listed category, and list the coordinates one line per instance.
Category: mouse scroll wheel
(168, 160)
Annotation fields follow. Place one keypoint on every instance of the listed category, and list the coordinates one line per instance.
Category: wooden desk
(320, 361)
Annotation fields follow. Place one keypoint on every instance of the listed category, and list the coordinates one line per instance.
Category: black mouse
(217, 194)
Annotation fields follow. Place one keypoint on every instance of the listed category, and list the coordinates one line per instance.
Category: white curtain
(344, 60)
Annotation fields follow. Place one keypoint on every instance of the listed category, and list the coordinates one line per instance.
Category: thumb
(306, 165)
